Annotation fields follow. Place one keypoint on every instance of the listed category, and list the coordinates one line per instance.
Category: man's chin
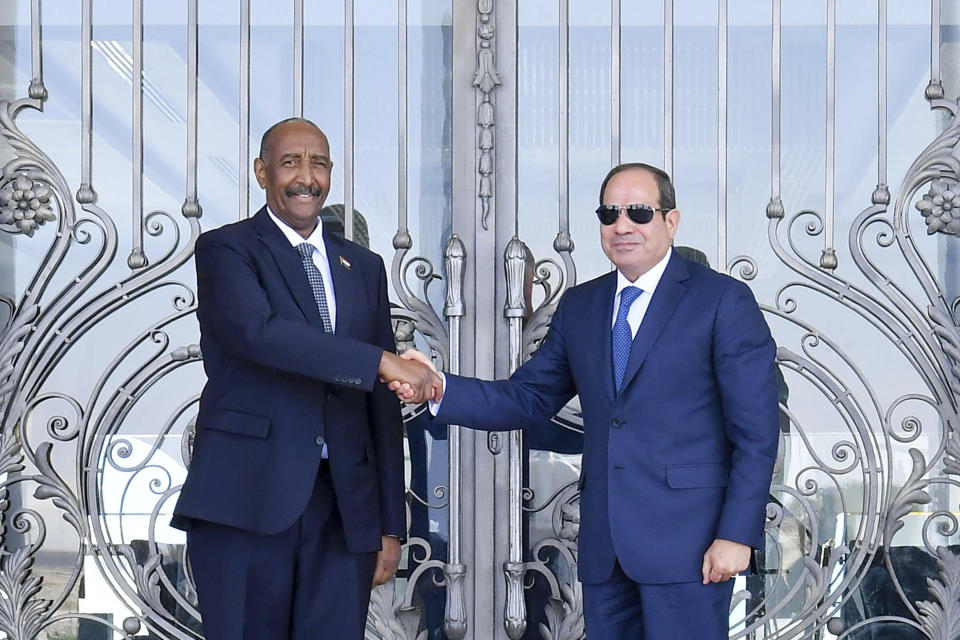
(625, 258)
(299, 218)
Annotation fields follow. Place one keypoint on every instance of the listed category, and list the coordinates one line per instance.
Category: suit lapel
(669, 291)
(603, 299)
(345, 280)
(290, 265)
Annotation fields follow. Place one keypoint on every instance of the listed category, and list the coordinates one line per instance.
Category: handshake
(411, 376)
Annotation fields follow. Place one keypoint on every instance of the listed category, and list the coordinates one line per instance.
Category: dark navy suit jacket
(277, 382)
(684, 453)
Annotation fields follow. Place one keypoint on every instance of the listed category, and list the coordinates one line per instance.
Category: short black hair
(668, 197)
(265, 140)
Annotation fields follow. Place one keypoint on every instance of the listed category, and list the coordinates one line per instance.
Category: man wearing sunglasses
(674, 365)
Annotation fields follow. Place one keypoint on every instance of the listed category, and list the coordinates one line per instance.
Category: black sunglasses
(639, 213)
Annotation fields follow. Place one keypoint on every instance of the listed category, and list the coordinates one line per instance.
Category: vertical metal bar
(454, 571)
(515, 606)
(775, 205)
(402, 144)
(348, 128)
(775, 116)
(563, 243)
(564, 117)
(935, 41)
(668, 86)
(515, 620)
(86, 193)
(37, 91)
(882, 93)
(137, 259)
(244, 124)
(191, 207)
(298, 58)
(935, 87)
(881, 195)
(722, 25)
(616, 83)
(828, 259)
(476, 481)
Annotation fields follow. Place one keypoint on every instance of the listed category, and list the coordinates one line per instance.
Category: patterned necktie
(622, 336)
(316, 283)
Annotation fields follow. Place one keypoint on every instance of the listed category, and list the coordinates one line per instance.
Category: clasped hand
(411, 376)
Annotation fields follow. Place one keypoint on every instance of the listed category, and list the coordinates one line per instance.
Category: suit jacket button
(616, 422)
(319, 441)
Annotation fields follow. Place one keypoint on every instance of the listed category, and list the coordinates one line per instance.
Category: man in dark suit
(674, 366)
(294, 501)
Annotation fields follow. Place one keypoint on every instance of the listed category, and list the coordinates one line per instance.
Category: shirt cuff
(435, 406)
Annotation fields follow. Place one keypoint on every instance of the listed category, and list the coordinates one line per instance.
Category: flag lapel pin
(344, 262)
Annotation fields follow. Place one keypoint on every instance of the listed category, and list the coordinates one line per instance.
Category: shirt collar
(315, 238)
(647, 281)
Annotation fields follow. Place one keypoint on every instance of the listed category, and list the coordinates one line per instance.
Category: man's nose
(623, 223)
(305, 174)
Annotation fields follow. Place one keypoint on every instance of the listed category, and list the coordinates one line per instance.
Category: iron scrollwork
(24, 204)
(835, 519)
(940, 207)
(455, 570)
(564, 609)
(39, 333)
(815, 563)
(515, 606)
(392, 615)
(925, 334)
(486, 79)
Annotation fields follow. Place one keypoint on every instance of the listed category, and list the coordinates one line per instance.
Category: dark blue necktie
(622, 336)
(316, 283)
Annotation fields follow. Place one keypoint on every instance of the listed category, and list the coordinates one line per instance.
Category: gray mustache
(303, 190)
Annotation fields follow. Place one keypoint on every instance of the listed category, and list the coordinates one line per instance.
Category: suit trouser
(300, 584)
(621, 609)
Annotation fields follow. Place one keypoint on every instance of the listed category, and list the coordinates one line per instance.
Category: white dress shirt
(319, 259)
(648, 282)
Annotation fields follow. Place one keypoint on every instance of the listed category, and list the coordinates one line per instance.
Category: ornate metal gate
(501, 120)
